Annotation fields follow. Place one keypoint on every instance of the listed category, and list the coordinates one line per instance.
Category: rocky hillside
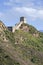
(23, 47)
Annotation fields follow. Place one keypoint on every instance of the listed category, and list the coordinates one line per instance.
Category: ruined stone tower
(17, 26)
(23, 19)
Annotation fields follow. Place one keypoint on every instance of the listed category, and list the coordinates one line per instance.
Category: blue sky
(12, 10)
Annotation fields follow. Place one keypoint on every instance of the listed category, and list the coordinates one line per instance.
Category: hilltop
(24, 46)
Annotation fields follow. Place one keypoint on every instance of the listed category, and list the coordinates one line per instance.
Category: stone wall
(10, 29)
(17, 26)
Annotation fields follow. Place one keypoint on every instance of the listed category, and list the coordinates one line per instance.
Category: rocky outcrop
(2, 34)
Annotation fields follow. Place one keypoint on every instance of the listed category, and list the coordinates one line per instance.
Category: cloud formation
(31, 8)
(11, 10)
(29, 3)
(36, 13)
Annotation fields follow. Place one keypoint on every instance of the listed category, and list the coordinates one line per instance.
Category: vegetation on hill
(22, 47)
(30, 27)
(5, 59)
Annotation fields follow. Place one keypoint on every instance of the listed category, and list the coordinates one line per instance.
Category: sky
(12, 10)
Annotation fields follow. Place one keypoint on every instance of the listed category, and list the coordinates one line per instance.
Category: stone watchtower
(17, 26)
(23, 19)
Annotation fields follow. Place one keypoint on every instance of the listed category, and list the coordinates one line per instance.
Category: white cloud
(25, 3)
(15, 0)
(11, 2)
(30, 12)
